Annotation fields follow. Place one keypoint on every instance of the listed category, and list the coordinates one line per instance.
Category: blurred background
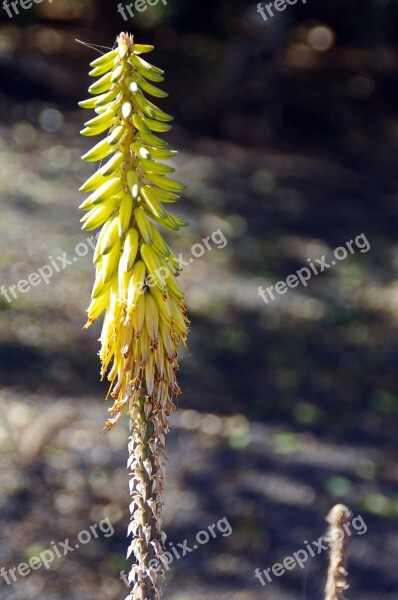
(288, 139)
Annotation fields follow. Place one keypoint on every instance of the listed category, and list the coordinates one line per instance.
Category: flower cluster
(136, 285)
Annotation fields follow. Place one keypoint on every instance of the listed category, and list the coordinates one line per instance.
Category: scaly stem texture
(336, 537)
(136, 282)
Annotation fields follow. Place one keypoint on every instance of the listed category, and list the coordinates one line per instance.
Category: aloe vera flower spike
(136, 285)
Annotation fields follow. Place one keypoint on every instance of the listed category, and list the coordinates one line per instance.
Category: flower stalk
(336, 583)
(136, 284)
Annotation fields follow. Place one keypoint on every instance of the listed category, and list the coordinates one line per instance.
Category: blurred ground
(286, 407)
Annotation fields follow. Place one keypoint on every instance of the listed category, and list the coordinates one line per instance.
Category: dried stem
(336, 537)
(146, 449)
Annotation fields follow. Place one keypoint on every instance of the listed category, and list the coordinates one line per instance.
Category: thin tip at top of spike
(125, 42)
